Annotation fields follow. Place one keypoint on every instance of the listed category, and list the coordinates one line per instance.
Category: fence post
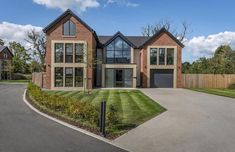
(102, 118)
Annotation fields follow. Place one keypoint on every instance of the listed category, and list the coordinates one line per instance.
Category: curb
(69, 125)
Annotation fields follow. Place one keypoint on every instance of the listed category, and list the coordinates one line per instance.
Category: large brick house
(5, 63)
(77, 57)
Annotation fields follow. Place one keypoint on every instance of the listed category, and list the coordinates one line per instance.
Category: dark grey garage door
(161, 78)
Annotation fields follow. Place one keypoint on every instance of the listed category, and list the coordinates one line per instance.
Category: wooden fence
(37, 78)
(207, 80)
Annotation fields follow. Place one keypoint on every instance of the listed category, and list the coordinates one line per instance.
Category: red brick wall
(55, 33)
(163, 40)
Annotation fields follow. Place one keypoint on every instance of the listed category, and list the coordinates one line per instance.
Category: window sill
(68, 36)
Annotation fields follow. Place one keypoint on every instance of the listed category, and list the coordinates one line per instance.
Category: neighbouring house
(76, 57)
(5, 63)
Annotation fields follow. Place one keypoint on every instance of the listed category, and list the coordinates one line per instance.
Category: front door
(119, 78)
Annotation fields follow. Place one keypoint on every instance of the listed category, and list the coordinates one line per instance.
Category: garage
(161, 78)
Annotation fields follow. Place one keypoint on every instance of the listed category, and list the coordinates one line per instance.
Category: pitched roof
(2, 48)
(66, 13)
(163, 30)
(108, 39)
(137, 41)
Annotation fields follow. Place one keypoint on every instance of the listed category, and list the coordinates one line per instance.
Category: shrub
(232, 86)
(73, 108)
(112, 116)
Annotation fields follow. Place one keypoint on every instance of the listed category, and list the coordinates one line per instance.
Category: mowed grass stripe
(70, 94)
(115, 100)
(130, 108)
(152, 106)
(101, 96)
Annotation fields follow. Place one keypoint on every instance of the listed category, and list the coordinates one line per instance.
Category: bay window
(170, 56)
(79, 51)
(153, 56)
(161, 56)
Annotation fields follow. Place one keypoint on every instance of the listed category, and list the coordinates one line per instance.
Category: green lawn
(133, 106)
(221, 92)
(14, 81)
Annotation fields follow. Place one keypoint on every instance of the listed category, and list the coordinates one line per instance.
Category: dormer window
(69, 28)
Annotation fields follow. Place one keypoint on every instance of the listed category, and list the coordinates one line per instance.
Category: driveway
(23, 130)
(194, 122)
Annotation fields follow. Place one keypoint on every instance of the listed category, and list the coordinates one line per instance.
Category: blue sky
(208, 19)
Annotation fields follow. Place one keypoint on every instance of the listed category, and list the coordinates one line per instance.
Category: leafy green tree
(222, 62)
(20, 59)
(185, 67)
(38, 42)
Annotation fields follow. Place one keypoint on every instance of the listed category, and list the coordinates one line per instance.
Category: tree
(150, 30)
(2, 42)
(222, 62)
(20, 59)
(38, 42)
(185, 67)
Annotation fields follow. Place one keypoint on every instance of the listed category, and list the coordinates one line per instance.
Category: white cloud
(122, 2)
(78, 5)
(14, 32)
(206, 45)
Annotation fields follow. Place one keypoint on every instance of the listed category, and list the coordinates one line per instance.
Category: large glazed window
(118, 51)
(59, 77)
(68, 77)
(79, 51)
(69, 28)
(170, 56)
(153, 56)
(78, 77)
(119, 78)
(59, 51)
(68, 53)
(162, 56)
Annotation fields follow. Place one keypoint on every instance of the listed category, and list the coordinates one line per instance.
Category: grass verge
(220, 92)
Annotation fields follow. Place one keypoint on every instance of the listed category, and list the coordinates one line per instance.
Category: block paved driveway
(23, 130)
(194, 122)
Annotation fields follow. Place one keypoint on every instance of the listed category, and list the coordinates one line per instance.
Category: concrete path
(23, 130)
(194, 122)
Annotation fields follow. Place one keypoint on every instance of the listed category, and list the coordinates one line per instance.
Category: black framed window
(59, 76)
(153, 56)
(118, 51)
(68, 77)
(69, 28)
(79, 51)
(170, 56)
(59, 52)
(69, 53)
(162, 56)
(78, 81)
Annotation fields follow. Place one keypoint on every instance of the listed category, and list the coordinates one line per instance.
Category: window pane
(59, 77)
(128, 79)
(126, 46)
(121, 52)
(118, 44)
(126, 56)
(68, 77)
(109, 78)
(153, 56)
(110, 56)
(66, 29)
(78, 77)
(161, 56)
(170, 56)
(69, 53)
(59, 51)
(79, 51)
(110, 46)
(72, 30)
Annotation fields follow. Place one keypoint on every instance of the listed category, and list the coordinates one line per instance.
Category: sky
(211, 22)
